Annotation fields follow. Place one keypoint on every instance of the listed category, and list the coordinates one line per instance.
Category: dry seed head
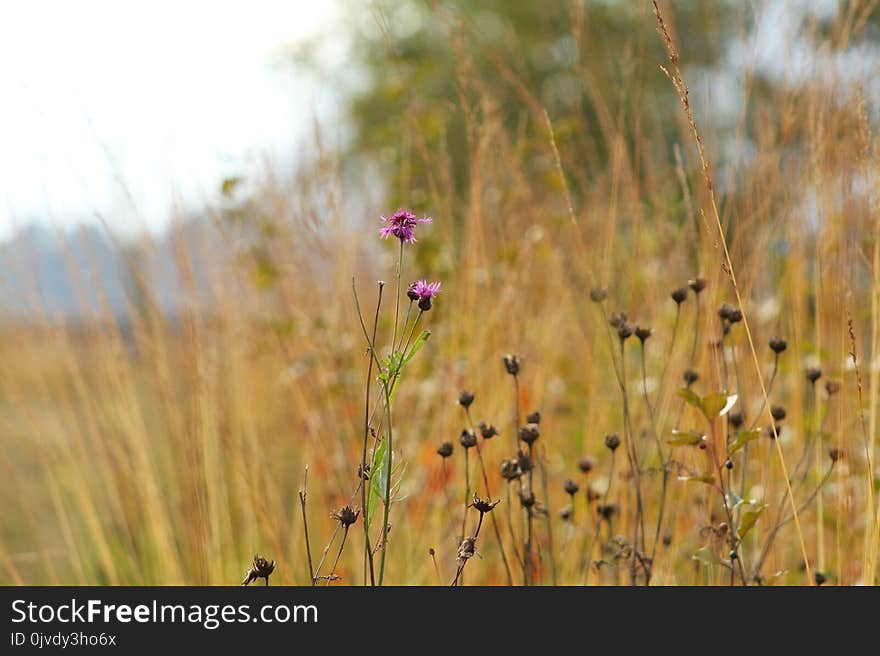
(612, 441)
(698, 284)
(346, 516)
(529, 433)
(487, 431)
(586, 464)
(679, 295)
(511, 363)
(467, 439)
(598, 294)
(778, 345)
(465, 398)
(484, 505)
(534, 417)
(813, 374)
(444, 450)
(571, 487)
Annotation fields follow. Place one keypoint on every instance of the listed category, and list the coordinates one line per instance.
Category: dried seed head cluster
(260, 569)
(468, 438)
(487, 431)
(529, 433)
(612, 441)
(484, 505)
(346, 516)
(510, 470)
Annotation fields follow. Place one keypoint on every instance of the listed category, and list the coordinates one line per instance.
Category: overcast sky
(166, 96)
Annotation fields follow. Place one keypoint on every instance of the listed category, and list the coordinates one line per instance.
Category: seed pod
(465, 398)
(778, 345)
(444, 450)
(598, 294)
(698, 284)
(679, 295)
(612, 441)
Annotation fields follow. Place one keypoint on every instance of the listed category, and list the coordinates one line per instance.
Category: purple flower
(423, 291)
(402, 225)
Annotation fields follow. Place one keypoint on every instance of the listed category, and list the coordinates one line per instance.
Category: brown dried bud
(529, 433)
(571, 487)
(260, 569)
(777, 412)
(679, 295)
(467, 548)
(465, 398)
(698, 284)
(484, 505)
(566, 514)
(778, 345)
(813, 374)
(534, 417)
(643, 333)
(586, 464)
(598, 294)
(616, 319)
(612, 441)
(444, 450)
(690, 377)
(346, 516)
(625, 330)
(832, 387)
(736, 420)
(511, 363)
(527, 498)
(606, 510)
(487, 431)
(835, 453)
(468, 438)
(510, 470)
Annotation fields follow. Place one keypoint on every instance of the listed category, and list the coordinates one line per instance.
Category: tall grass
(168, 447)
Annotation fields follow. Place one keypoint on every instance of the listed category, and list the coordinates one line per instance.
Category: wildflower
(511, 363)
(527, 498)
(424, 292)
(617, 319)
(346, 516)
(606, 510)
(402, 225)
(813, 374)
(445, 450)
(260, 569)
(529, 433)
(571, 487)
(484, 505)
(468, 439)
(487, 431)
(778, 345)
(725, 311)
(736, 420)
(679, 295)
(598, 294)
(612, 441)
(586, 464)
(698, 284)
(465, 398)
(510, 470)
(643, 333)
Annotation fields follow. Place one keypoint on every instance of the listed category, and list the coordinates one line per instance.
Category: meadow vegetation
(653, 358)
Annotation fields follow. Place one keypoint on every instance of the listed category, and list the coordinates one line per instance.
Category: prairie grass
(168, 446)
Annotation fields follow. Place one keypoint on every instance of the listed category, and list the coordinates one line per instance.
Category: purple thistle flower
(402, 225)
(423, 291)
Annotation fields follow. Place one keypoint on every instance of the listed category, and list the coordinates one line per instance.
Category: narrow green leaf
(749, 517)
(690, 397)
(742, 438)
(681, 438)
(376, 490)
(417, 345)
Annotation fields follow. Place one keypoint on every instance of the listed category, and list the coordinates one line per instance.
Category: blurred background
(188, 189)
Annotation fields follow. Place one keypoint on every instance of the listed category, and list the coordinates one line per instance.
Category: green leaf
(417, 345)
(690, 397)
(742, 438)
(377, 481)
(717, 404)
(749, 517)
(681, 438)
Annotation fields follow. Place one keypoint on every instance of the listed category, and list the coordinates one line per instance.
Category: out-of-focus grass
(167, 450)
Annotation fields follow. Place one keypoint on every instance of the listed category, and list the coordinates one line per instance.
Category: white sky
(167, 96)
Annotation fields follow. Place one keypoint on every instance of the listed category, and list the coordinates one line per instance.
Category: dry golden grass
(169, 451)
